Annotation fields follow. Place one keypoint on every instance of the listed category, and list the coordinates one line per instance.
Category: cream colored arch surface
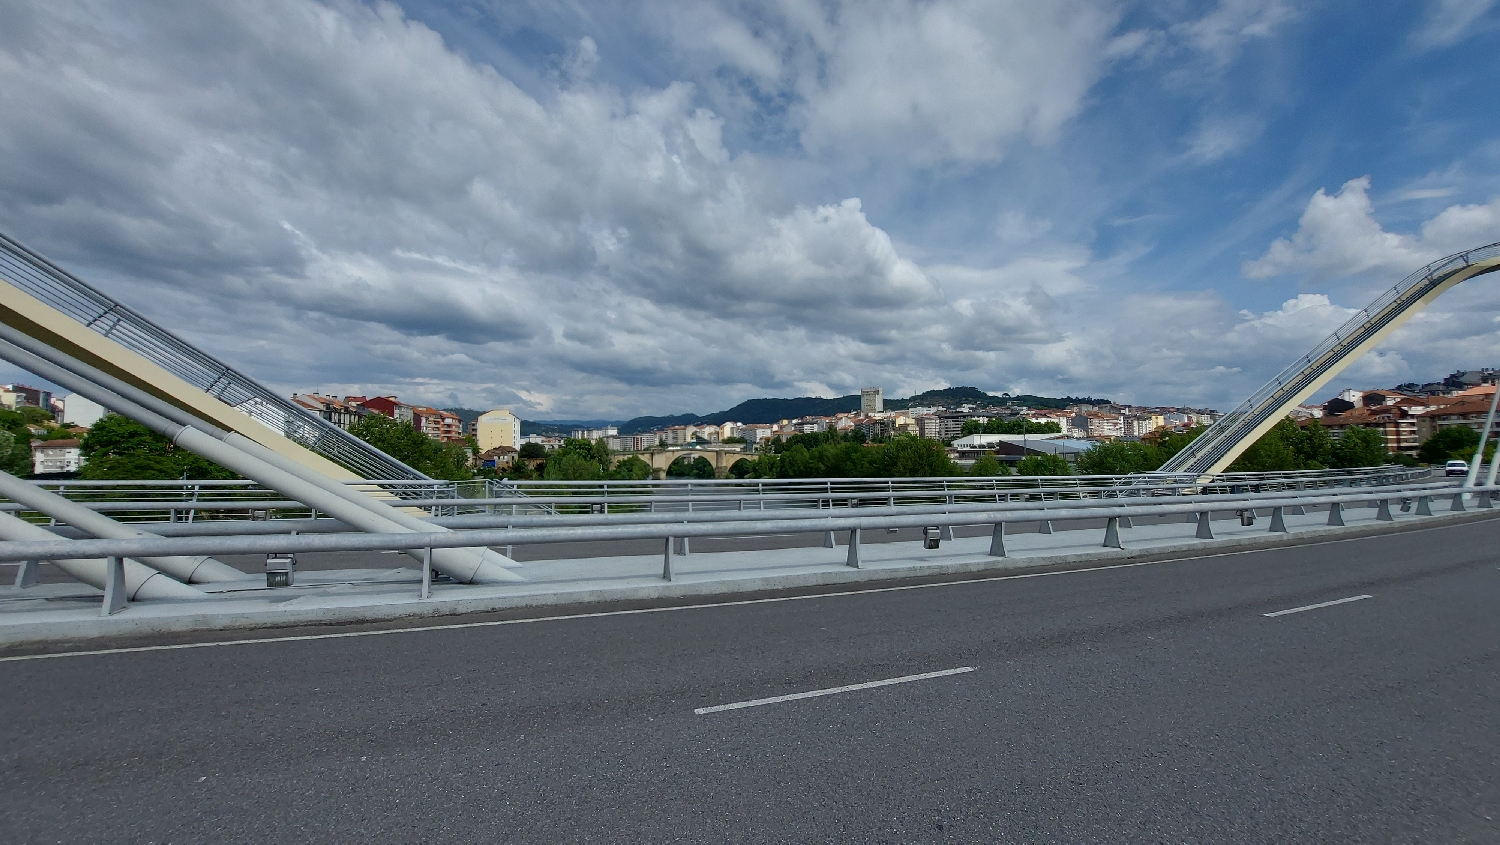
(1225, 440)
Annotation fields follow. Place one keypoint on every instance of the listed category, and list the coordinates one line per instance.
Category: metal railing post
(427, 572)
(1424, 506)
(828, 540)
(1205, 526)
(1044, 527)
(114, 587)
(666, 560)
(1335, 514)
(1383, 513)
(28, 574)
(997, 540)
(1112, 533)
(852, 559)
(1458, 503)
(1278, 521)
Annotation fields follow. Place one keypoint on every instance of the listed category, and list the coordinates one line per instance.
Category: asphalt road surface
(1143, 703)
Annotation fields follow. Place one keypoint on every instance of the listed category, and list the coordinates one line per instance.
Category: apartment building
(51, 456)
(633, 442)
(388, 406)
(339, 412)
(592, 434)
(495, 428)
(438, 424)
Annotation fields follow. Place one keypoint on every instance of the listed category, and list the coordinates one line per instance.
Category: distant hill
(775, 410)
(950, 397)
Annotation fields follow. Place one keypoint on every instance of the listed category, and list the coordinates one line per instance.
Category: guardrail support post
(1278, 521)
(1126, 523)
(853, 557)
(666, 561)
(1112, 533)
(682, 546)
(114, 587)
(1424, 506)
(1483, 499)
(1297, 510)
(997, 540)
(1045, 527)
(427, 572)
(945, 532)
(828, 541)
(1335, 514)
(1458, 503)
(1205, 528)
(28, 573)
(1383, 514)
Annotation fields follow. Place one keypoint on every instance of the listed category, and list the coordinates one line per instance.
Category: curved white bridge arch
(1216, 448)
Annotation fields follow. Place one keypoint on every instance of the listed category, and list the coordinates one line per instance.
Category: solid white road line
(777, 699)
(1318, 605)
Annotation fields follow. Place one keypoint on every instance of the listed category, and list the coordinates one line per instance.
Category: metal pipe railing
(307, 543)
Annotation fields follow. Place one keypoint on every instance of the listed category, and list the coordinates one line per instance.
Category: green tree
(1313, 445)
(631, 468)
(696, 466)
(32, 415)
(403, 442)
(578, 460)
(1168, 443)
(1043, 465)
(906, 456)
(742, 468)
(988, 467)
(1448, 444)
(1119, 457)
(971, 427)
(1359, 447)
(1021, 426)
(532, 451)
(1273, 451)
(119, 448)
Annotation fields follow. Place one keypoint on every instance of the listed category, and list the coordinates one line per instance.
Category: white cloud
(924, 81)
(1216, 138)
(329, 195)
(1449, 22)
(1223, 33)
(1339, 236)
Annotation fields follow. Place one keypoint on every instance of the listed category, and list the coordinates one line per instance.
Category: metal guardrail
(1117, 514)
(169, 501)
(35, 274)
(1112, 510)
(1216, 442)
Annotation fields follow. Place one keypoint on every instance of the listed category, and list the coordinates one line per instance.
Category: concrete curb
(86, 630)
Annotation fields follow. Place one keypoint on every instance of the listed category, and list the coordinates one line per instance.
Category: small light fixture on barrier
(931, 537)
(281, 570)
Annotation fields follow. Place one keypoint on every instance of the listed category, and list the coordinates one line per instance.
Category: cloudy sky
(604, 209)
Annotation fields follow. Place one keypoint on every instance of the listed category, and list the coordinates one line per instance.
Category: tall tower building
(870, 401)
